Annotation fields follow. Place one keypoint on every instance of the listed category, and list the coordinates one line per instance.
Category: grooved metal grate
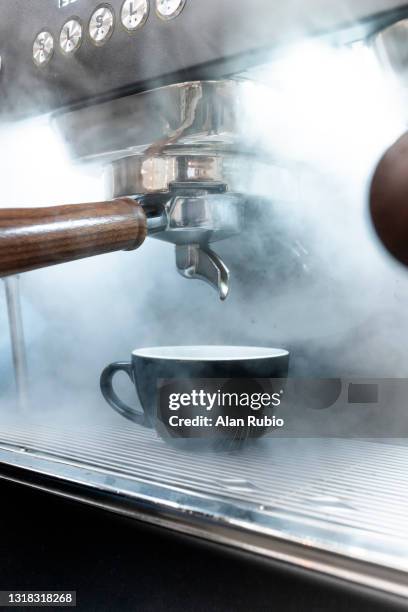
(349, 497)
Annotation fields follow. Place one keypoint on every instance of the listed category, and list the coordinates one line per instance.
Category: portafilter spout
(196, 217)
(195, 261)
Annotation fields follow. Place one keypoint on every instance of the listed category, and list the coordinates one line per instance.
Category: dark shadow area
(117, 564)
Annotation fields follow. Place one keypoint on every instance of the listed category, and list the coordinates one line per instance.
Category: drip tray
(336, 507)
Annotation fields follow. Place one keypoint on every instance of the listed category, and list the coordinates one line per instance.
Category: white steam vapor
(308, 276)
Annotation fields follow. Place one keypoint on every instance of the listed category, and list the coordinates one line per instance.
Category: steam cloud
(308, 276)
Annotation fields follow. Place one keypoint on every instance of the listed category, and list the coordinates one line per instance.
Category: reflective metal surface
(336, 507)
(192, 218)
(195, 261)
(169, 9)
(194, 131)
(134, 14)
(18, 347)
(71, 36)
(145, 174)
(391, 47)
(101, 25)
(43, 48)
(201, 217)
(203, 115)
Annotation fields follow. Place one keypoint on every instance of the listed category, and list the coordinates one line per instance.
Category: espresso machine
(155, 92)
(168, 129)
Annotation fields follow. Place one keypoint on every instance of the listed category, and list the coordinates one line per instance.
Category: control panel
(133, 15)
(56, 54)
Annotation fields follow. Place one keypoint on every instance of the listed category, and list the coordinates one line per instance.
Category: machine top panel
(59, 53)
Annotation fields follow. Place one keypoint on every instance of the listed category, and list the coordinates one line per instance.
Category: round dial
(168, 9)
(71, 36)
(43, 48)
(101, 25)
(134, 14)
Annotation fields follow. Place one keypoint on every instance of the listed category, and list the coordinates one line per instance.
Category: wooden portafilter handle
(389, 200)
(32, 238)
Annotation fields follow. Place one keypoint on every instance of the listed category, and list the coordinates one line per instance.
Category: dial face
(134, 14)
(101, 25)
(71, 36)
(43, 48)
(168, 9)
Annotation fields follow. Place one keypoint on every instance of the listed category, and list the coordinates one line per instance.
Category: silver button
(71, 36)
(101, 24)
(169, 9)
(134, 13)
(43, 48)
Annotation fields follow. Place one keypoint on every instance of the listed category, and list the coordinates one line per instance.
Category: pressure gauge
(43, 48)
(71, 36)
(101, 24)
(168, 9)
(134, 14)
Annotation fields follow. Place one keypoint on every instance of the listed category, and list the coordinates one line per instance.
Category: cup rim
(215, 353)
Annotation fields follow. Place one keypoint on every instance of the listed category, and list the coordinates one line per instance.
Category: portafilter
(171, 155)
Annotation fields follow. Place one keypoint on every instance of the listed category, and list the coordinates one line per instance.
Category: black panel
(209, 39)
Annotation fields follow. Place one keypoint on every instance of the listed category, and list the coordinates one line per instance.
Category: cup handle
(112, 398)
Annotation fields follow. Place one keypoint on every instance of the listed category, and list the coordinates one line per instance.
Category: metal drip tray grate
(335, 506)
